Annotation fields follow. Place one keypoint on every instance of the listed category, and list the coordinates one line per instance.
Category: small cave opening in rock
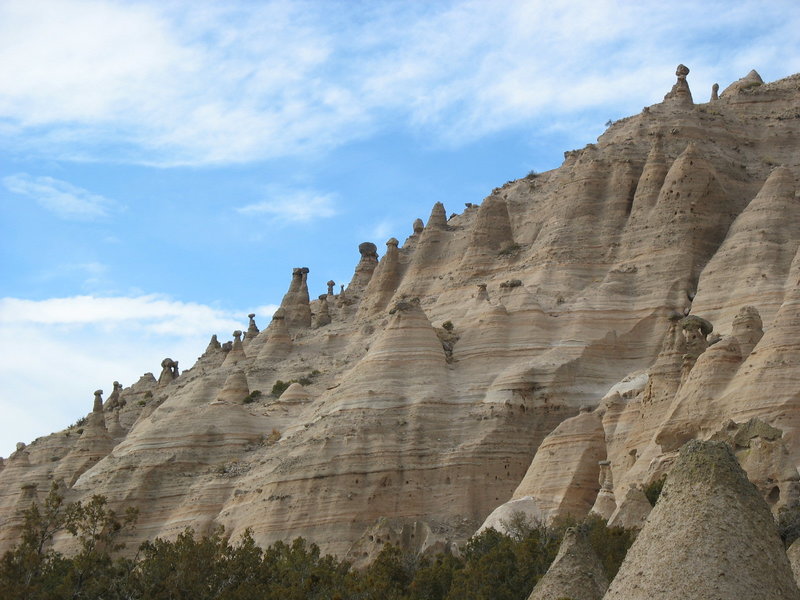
(774, 495)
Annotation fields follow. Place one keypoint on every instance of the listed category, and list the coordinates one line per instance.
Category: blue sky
(164, 165)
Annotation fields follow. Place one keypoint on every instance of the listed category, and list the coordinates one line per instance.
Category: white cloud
(56, 352)
(298, 206)
(60, 197)
(172, 83)
(379, 232)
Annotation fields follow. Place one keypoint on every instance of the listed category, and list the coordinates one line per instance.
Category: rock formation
(252, 329)
(236, 353)
(605, 504)
(113, 400)
(364, 269)
(710, 535)
(295, 303)
(576, 572)
(563, 476)
(235, 389)
(294, 394)
(169, 371)
(279, 342)
(748, 82)
(321, 316)
(680, 91)
(446, 382)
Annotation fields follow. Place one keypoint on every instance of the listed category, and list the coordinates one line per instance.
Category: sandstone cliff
(426, 386)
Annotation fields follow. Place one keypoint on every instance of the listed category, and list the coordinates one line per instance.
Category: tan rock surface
(793, 553)
(576, 572)
(560, 288)
(563, 477)
(710, 536)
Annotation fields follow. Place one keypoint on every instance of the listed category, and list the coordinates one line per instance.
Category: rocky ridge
(552, 347)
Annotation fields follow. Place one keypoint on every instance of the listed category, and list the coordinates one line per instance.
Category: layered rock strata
(437, 374)
(710, 535)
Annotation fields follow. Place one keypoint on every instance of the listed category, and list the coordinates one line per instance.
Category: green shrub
(610, 543)
(653, 490)
(509, 250)
(448, 326)
(252, 397)
(279, 388)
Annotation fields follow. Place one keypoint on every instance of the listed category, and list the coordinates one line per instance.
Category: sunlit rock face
(710, 535)
(422, 392)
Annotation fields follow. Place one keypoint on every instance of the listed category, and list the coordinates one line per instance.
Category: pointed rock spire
(169, 371)
(680, 92)
(213, 344)
(407, 353)
(747, 329)
(114, 399)
(295, 303)
(749, 81)
(606, 503)
(236, 353)
(322, 316)
(491, 234)
(710, 535)
(576, 573)
(96, 418)
(115, 428)
(364, 269)
(386, 279)
(632, 510)
(753, 262)
(94, 444)
(295, 394)
(438, 218)
(235, 388)
(252, 328)
(492, 229)
(279, 342)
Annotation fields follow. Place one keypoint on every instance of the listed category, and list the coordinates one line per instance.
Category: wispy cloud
(169, 83)
(60, 197)
(149, 314)
(298, 206)
(379, 232)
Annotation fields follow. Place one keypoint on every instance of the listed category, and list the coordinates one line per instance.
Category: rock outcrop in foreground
(576, 572)
(565, 336)
(711, 535)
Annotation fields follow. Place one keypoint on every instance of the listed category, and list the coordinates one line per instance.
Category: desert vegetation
(500, 566)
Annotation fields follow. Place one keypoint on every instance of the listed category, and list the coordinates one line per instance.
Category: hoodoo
(548, 350)
(710, 535)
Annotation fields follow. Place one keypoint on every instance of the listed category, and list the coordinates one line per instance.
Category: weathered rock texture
(433, 379)
(710, 536)
(576, 572)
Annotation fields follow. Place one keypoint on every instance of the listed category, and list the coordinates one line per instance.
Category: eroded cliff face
(434, 377)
